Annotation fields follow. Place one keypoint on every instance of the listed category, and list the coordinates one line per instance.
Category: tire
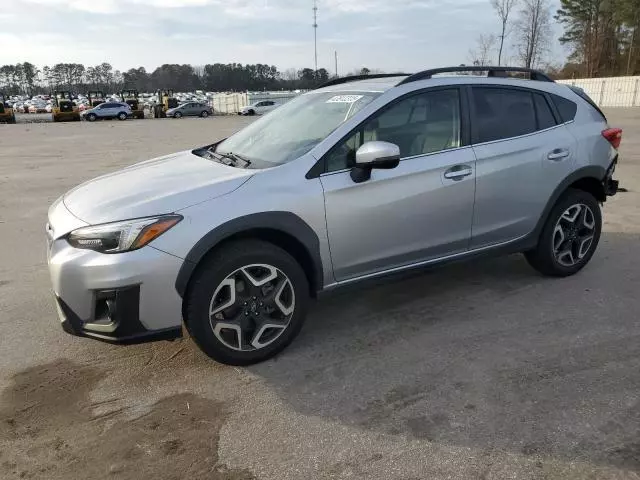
(232, 266)
(204, 114)
(92, 117)
(122, 116)
(177, 115)
(251, 112)
(564, 247)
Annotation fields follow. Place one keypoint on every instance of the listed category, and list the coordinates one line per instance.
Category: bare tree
(533, 28)
(481, 54)
(290, 75)
(503, 8)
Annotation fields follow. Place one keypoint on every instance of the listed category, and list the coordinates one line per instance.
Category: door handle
(458, 172)
(558, 154)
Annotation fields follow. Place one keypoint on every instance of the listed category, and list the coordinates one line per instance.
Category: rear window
(566, 108)
(503, 113)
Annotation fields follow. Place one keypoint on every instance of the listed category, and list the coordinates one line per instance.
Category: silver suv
(361, 178)
(119, 110)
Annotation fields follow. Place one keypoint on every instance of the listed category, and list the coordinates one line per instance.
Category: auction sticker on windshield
(344, 99)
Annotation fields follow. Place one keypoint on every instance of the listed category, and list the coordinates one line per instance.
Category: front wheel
(247, 302)
(122, 116)
(177, 115)
(92, 117)
(204, 114)
(569, 237)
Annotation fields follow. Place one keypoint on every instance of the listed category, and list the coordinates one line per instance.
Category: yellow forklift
(6, 112)
(132, 98)
(64, 108)
(96, 97)
(166, 100)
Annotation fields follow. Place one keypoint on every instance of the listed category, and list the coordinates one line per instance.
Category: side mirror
(374, 155)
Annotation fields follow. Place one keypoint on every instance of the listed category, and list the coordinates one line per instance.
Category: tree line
(601, 35)
(26, 78)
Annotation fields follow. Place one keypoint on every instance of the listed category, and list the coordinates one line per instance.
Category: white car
(258, 108)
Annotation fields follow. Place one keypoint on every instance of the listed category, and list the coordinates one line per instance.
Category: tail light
(613, 136)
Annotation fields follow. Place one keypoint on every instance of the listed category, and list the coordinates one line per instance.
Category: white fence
(610, 91)
(228, 102)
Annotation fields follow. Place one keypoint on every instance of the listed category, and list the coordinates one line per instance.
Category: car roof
(368, 85)
(387, 83)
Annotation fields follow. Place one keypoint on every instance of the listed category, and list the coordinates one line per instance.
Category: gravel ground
(478, 370)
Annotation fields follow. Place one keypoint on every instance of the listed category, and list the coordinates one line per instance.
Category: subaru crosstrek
(358, 179)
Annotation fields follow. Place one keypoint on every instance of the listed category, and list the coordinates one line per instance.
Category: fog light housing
(113, 307)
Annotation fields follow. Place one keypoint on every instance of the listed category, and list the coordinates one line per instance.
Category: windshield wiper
(236, 157)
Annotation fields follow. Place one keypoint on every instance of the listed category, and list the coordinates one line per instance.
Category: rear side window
(502, 113)
(543, 111)
(566, 108)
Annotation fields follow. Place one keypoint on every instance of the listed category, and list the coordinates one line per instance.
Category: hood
(153, 187)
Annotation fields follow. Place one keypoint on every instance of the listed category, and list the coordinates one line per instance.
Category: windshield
(296, 127)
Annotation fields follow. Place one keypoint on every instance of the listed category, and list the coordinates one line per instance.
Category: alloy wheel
(252, 307)
(573, 235)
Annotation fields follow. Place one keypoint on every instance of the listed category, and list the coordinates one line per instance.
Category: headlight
(122, 236)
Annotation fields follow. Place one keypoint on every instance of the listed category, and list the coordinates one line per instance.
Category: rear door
(192, 109)
(522, 153)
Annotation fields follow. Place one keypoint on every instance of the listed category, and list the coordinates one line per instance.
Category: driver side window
(420, 124)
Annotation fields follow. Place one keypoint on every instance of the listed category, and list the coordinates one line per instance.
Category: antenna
(315, 33)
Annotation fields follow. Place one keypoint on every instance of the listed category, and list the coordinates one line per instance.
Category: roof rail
(492, 72)
(353, 78)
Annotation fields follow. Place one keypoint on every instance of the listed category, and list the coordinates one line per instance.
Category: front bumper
(121, 298)
(120, 324)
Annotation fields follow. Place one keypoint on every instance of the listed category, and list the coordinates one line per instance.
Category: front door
(419, 211)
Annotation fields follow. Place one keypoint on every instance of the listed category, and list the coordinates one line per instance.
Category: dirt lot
(482, 370)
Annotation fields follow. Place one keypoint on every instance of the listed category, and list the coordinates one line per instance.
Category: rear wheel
(122, 116)
(247, 302)
(569, 237)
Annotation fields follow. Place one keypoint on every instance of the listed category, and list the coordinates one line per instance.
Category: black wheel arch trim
(593, 171)
(284, 222)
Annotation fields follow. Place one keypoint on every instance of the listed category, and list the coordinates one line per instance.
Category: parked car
(190, 109)
(38, 107)
(259, 108)
(119, 110)
(356, 180)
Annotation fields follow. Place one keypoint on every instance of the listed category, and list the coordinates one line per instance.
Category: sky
(391, 35)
